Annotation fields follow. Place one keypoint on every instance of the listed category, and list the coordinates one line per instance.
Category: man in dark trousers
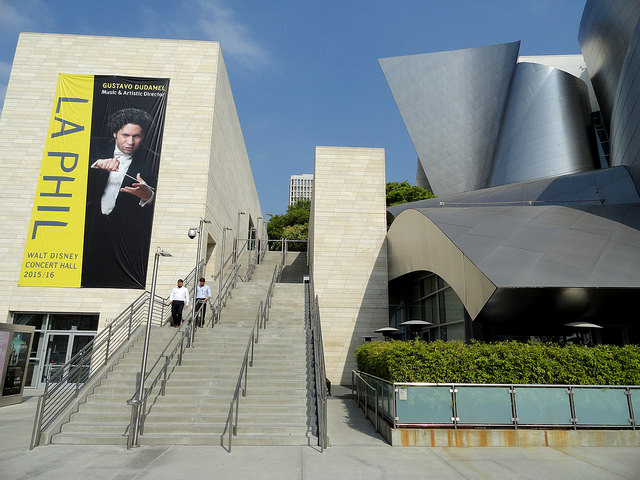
(120, 192)
(178, 299)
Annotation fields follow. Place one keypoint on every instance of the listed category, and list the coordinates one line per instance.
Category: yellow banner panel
(53, 252)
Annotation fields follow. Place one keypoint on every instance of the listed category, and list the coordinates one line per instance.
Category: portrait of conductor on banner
(120, 195)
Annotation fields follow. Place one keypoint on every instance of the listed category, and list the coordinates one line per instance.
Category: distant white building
(300, 187)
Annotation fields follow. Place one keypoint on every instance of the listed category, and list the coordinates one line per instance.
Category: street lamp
(259, 238)
(266, 226)
(235, 245)
(145, 350)
(192, 233)
(221, 276)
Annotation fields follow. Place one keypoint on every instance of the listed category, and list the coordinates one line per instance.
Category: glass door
(78, 342)
(60, 349)
(56, 350)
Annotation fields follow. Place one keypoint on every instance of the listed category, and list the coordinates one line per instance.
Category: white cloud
(27, 15)
(212, 20)
(219, 23)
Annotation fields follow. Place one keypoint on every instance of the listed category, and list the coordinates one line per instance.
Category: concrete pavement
(356, 452)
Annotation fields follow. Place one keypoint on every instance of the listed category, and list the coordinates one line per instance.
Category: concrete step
(279, 408)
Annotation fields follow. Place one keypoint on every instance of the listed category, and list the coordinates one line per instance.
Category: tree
(293, 225)
(403, 192)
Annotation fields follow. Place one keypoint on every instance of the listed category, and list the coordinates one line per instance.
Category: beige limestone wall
(348, 251)
(204, 169)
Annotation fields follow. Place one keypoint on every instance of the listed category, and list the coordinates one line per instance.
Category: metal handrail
(139, 407)
(221, 299)
(284, 242)
(63, 388)
(226, 262)
(262, 318)
(394, 389)
(318, 361)
(356, 382)
(253, 260)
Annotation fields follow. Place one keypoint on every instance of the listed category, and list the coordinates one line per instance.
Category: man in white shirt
(178, 299)
(203, 294)
(120, 191)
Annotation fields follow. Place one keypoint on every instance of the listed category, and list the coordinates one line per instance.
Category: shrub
(500, 362)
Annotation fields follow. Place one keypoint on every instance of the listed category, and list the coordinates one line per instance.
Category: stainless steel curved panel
(625, 134)
(451, 104)
(525, 246)
(544, 128)
(605, 33)
(610, 186)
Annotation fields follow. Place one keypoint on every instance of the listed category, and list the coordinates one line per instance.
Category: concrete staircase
(104, 417)
(278, 409)
(295, 267)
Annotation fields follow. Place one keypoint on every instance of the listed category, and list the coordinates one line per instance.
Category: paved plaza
(357, 452)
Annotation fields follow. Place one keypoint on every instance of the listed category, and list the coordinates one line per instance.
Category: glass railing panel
(428, 404)
(601, 406)
(543, 406)
(635, 402)
(389, 396)
(484, 405)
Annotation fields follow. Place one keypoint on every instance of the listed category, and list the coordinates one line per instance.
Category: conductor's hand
(139, 189)
(108, 164)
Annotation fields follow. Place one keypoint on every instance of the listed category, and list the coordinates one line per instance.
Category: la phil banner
(93, 210)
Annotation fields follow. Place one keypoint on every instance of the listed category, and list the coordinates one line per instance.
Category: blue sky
(306, 73)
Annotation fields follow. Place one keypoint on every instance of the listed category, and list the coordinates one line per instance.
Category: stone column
(348, 251)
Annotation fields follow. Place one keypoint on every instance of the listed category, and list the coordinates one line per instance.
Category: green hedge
(500, 362)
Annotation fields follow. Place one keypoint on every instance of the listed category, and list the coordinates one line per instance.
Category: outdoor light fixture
(582, 325)
(415, 325)
(196, 275)
(221, 275)
(387, 331)
(145, 350)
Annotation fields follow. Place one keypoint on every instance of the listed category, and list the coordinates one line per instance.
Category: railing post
(230, 425)
(143, 415)
(235, 423)
(514, 410)
(134, 426)
(78, 369)
(35, 435)
(132, 421)
(164, 379)
(251, 361)
(130, 320)
(572, 408)
(244, 390)
(353, 384)
(106, 355)
(376, 409)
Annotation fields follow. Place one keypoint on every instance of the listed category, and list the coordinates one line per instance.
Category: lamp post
(259, 238)
(221, 276)
(266, 226)
(145, 350)
(196, 277)
(237, 241)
